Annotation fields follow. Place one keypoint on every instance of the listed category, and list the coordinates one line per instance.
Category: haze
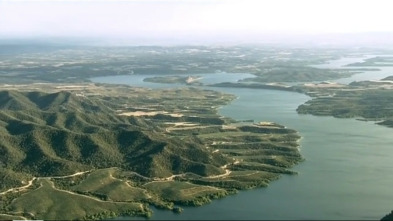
(173, 19)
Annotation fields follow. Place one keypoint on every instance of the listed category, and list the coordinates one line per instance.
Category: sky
(171, 18)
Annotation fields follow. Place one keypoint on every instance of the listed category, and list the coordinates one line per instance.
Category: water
(228, 77)
(340, 63)
(346, 175)
(362, 76)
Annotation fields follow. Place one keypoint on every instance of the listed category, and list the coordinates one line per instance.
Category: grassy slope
(49, 203)
(49, 134)
(103, 182)
(184, 192)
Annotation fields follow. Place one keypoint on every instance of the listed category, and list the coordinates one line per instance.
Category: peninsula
(94, 151)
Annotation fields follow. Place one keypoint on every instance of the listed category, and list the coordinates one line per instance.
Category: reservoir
(346, 174)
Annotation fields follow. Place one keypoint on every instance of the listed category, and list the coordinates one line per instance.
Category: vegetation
(71, 149)
(103, 151)
(174, 80)
(10, 217)
(102, 183)
(272, 86)
(11, 178)
(375, 61)
(79, 64)
(177, 210)
(50, 203)
(390, 78)
(183, 193)
(294, 73)
(368, 104)
(369, 100)
(388, 217)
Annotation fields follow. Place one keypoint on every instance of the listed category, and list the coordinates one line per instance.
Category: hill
(105, 145)
(59, 133)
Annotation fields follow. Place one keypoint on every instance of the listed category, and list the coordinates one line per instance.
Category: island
(189, 80)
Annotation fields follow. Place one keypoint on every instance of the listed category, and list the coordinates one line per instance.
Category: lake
(346, 175)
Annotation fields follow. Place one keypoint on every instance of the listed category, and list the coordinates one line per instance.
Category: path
(18, 189)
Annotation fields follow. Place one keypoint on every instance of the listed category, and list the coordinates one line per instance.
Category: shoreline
(222, 140)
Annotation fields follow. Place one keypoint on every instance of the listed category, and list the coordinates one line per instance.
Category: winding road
(18, 189)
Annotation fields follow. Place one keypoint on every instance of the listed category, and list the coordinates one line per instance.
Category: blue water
(346, 175)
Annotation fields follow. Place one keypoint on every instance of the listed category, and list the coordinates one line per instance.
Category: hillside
(99, 141)
(59, 133)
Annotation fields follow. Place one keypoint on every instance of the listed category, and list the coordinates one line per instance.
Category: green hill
(59, 133)
(129, 148)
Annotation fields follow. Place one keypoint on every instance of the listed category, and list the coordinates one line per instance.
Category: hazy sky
(202, 17)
